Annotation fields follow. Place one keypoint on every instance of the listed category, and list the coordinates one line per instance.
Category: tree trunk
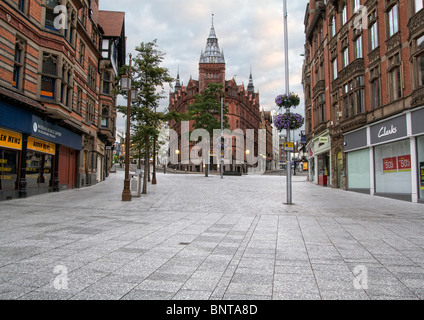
(148, 169)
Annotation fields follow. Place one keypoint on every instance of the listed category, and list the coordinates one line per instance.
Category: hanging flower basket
(287, 100)
(291, 121)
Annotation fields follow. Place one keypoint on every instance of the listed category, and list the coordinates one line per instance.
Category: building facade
(57, 115)
(243, 104)
(364, 89)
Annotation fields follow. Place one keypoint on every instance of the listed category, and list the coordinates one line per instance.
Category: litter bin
(135, 185)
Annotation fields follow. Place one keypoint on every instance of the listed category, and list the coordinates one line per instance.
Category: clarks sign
(384, 132)
(389, 130)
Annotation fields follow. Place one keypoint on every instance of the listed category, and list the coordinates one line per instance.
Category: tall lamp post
(126, 86)
(222, 138)
(287, 75)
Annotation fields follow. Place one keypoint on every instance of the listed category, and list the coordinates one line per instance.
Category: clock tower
(212, 62)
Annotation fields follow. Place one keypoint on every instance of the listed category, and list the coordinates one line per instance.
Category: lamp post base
(126, 193)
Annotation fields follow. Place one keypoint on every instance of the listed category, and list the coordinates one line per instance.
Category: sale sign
(390, 165)
(404, 163)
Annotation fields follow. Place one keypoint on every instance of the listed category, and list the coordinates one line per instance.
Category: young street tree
(205, 110)
(148, 77)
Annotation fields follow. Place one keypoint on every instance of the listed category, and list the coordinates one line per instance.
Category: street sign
(289, 146)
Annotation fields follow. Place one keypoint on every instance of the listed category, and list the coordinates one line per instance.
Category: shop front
(387, 158)
(10, 152)
(417, 124)
(358, 161)
(31, 154)
(320, 160)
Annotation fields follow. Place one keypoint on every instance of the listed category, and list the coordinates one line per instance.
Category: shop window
(38, 170)
(8, 169)
(393, 168)
(358, 170)
(49, 76)
(420, 147)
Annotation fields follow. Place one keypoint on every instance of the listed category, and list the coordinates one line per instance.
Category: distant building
(57, 100)
(243, 104)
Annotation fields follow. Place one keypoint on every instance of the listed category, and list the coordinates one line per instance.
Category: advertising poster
(404, 163)
(422, 175)
(390, 165)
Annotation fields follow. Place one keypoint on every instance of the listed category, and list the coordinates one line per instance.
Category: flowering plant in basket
(287, 100)
(289, 120)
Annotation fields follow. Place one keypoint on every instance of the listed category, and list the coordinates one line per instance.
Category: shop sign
(389, 130)
(404, 163)
(355, 140)
(41, 146)
(390, 165)
(44, 129)
(422, 175)
(323, 140)
(10, 139)
(417, 121)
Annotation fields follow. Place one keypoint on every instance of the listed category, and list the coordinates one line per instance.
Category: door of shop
(340, 170)
(67, 167)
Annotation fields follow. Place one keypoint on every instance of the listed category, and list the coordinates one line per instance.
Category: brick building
(364, 95)
(243, 105)
(57, 74)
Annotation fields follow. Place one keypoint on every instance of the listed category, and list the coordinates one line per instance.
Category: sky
(250, 32)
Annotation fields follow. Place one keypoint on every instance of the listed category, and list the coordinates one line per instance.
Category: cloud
(250, 32)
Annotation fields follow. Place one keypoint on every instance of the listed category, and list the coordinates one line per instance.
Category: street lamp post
(126, 86)
(222, 138)
(287, 75)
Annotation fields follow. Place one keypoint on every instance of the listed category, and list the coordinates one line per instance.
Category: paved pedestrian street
(197, 238)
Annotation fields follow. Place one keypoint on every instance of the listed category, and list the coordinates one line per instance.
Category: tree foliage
(149, 78)
(205, 111)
